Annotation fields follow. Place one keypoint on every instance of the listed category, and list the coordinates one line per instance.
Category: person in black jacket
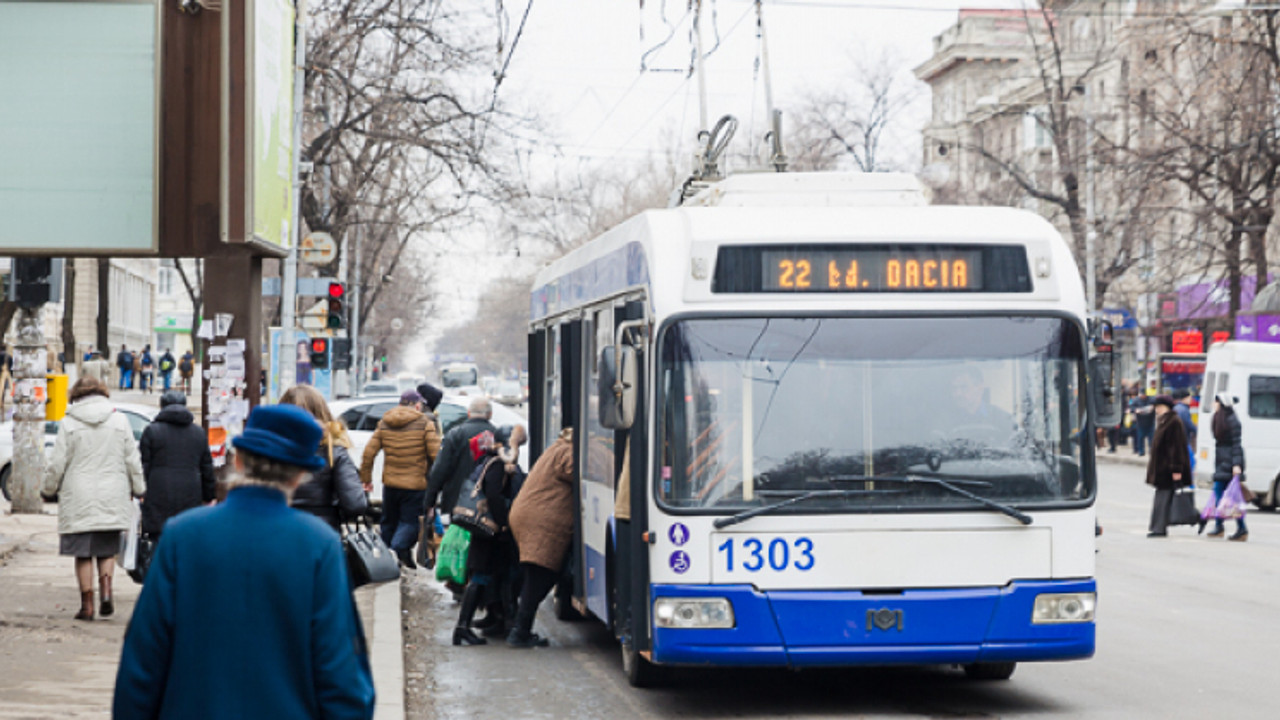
(1169, 467)
(1228, 459)
(455, 463)
(488, 557)
(176, 464)
(333, 492)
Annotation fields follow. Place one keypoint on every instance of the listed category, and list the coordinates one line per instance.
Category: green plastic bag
(451, 563)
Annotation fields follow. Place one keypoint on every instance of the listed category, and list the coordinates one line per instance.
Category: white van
(1249, 371)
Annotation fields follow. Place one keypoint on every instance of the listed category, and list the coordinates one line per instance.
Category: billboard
(79, 127)
(270, 121)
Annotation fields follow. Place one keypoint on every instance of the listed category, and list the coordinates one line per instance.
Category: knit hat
(1224, 399)
(284, 433)
(409, 397)
(1165, 400)
(173, 397)
(431, 395)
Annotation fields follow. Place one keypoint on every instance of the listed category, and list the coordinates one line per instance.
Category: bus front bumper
(807, 628)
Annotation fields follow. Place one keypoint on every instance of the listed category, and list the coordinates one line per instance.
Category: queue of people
(221, 638)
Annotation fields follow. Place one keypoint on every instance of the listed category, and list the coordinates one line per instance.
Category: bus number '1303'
(754, 554)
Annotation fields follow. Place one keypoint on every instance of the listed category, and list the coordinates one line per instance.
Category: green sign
(78, 127)
(271, 151)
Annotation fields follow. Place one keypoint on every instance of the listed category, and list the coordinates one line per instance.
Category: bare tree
(194, 285)
(1209, 94)
(852, 123)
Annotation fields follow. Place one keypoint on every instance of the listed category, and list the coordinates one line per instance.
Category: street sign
(318, 248)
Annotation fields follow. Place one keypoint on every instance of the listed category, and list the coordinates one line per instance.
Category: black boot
(406, 559)
(462, 634)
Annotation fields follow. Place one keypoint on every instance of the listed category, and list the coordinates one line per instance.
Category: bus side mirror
(616, 387)
(1106, 395)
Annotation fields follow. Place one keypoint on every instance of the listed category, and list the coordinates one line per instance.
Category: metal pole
(30, 362)
(285, 353)
(355, 314)
(699, 68)
(1090, 234)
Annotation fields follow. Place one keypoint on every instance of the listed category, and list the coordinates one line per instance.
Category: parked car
(361, 416)
(508, 392)
(380, 388)
(139, 416)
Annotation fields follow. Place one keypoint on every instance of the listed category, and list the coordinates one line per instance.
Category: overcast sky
(578, 63)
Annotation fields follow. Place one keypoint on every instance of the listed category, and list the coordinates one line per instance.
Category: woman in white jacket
(95, 469)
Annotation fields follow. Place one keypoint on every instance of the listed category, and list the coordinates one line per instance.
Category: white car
(139, 416)
(361, 416)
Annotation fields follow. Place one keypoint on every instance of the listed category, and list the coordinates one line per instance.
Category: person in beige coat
(410, 438)
(541, 520)
(95, 471)
(96, 367)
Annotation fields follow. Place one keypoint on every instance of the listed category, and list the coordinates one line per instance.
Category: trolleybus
(819, 423)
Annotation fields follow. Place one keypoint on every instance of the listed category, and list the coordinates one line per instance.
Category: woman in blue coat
(247, 611)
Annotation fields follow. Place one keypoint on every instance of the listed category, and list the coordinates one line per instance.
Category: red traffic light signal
(320, 353)
(319, 345)
(337, 290)
(337, 293)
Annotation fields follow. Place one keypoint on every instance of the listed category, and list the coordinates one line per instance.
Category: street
(1184, 630)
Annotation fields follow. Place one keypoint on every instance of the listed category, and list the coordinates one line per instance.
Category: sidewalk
(54, 666)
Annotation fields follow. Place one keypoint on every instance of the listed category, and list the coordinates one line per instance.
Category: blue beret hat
(284, 433)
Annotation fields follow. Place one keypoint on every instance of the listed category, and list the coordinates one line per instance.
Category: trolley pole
(700, 69)
(30, 362)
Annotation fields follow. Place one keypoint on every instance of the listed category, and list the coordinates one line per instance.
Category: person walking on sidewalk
(94, 471)
(147, 365)
(409, 437)
(542, 522)
(247, 611)
(1228, 459)
(186, 368)
(177, 464)
(96, 367)
(1169, 467)
(166, 364)
(1144, 421)
(455, 463)
(334, 491)
(124, 362)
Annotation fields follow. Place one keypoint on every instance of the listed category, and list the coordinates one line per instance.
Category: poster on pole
(270, 121)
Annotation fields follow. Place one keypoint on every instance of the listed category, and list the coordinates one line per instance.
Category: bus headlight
(693, 613)
(1063, 608)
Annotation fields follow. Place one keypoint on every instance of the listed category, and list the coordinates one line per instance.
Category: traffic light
(35, 281)
(341, 353)
(319, 353)
(337, 296)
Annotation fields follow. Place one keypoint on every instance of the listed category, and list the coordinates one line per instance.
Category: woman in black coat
(176, 463)
(488, 559)
(1170, 465)
(334, 491)
(1228, 459)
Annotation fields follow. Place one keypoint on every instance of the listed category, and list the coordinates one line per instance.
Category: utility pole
(1090, 233)
(355, 315)
(285, 353)
(30, 363)
(700, 69)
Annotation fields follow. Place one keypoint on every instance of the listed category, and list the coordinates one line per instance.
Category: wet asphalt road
(1187, 629)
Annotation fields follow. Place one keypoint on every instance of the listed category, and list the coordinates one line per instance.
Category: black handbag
(472, 511)
(1182, 510)
(369, 560)
(146, 548)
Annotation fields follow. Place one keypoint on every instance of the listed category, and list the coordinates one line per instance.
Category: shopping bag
(451, 564)
(1232, 504)
(146, 548)
(1183, 510)
(128, 559)
(369, 560)
(430, 535)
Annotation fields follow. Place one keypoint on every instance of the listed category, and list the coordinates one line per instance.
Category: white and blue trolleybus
(818, 422)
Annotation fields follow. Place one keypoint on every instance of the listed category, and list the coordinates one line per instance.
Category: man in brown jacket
(410, 437)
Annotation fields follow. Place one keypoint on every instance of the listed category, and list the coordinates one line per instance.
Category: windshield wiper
(949, 485)
(764, 509)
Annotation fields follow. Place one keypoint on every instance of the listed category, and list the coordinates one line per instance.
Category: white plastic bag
(128, 559)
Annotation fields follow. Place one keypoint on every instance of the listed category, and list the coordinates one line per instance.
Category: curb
(387, 653)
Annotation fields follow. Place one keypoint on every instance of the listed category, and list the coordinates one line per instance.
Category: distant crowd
(136, 370)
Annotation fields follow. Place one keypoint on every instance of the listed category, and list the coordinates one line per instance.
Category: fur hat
(173, 397)
(431, 395)
(1225, 400)
(284, 433)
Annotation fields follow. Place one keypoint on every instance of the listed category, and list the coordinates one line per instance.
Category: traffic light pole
(30, 362)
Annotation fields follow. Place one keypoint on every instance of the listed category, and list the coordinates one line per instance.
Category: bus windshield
(758, 410)
(459, 377)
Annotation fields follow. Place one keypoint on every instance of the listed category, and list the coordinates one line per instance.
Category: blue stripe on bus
(813, 628)
(623, 268)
